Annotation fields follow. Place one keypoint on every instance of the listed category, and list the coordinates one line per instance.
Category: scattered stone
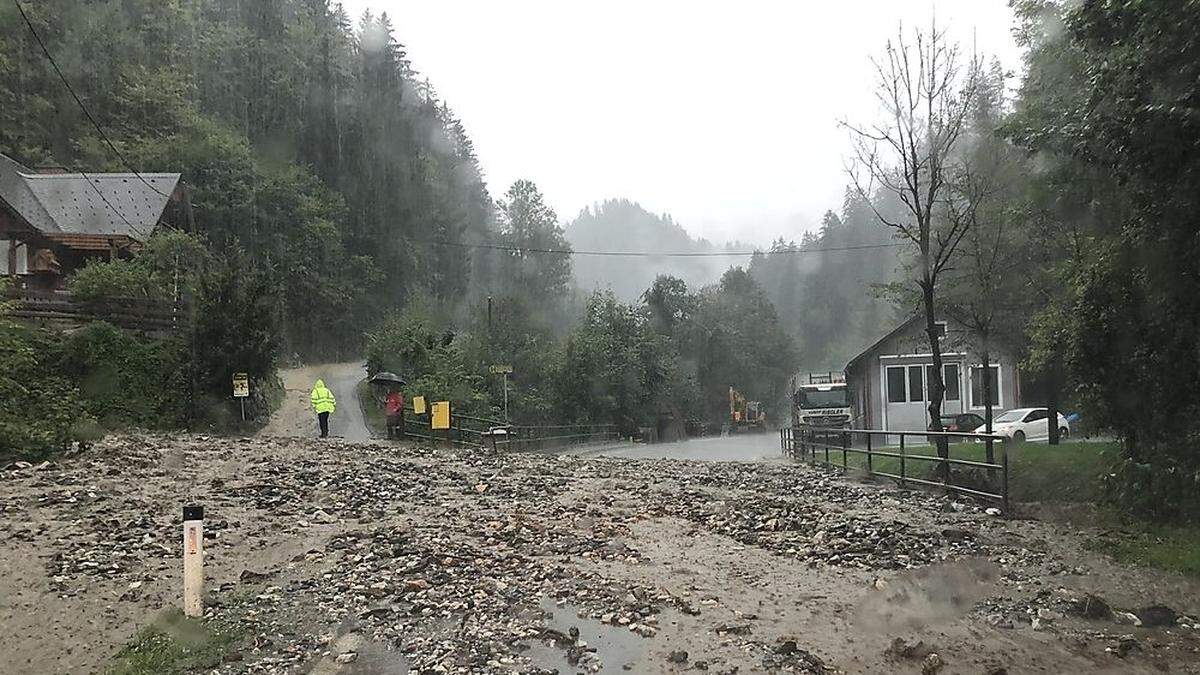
(446, 557)
(1127, 619)
(248, 576)
(1157, 615)
(901, 648)
(786, 647)
(1091, 606)
(955, 534)
(1048, 615)
(1124, 646)
(997, 620)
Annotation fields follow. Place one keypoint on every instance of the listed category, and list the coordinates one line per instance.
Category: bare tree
(985, 291)
(925, 97)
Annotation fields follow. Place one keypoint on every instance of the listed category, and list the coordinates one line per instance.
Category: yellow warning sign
(441, 415)
(419, 405)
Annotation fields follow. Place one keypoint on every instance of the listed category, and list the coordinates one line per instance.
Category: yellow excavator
(745, 415)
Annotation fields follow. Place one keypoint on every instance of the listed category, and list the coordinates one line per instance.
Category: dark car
(960, 422)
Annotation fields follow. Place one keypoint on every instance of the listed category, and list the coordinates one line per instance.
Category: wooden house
(53, 222)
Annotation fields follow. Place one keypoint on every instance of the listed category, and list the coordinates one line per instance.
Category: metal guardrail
(807, 442)
(467, 431)
(526, 438)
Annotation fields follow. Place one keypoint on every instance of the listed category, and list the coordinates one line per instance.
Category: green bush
(40, 412)
(235, 330)
(116, 278)
(123, 380)
(433, 362)
(1158, 490)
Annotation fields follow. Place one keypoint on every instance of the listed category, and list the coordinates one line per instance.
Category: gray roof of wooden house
(105, 204)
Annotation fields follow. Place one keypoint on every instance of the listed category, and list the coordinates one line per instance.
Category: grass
(1069, 472)
(1066, 474)
(1175, 548)
(1170, 547)
(174, 644)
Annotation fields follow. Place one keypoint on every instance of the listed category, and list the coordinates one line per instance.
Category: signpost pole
(241, 390)
(503, 370)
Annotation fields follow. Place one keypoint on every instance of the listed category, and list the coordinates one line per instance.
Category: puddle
(614, 646)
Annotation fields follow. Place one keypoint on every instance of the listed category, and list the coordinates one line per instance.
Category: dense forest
(338, 208)
(307, 140)
(828, 287)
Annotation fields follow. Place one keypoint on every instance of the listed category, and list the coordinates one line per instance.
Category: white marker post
(193, 561)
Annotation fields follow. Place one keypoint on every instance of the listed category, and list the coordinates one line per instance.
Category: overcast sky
(723, 114)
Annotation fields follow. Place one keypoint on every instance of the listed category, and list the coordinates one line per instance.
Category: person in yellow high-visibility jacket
(324, 404)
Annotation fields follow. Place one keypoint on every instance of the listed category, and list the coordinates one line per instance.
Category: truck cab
(822, 400)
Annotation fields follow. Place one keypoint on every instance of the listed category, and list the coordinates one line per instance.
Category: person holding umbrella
(393, 404)
(394, 407)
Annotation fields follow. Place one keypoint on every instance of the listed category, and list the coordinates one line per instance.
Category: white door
(1034, 426)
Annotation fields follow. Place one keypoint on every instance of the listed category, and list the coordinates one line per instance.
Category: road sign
(441, 415)
(241, 385)
(418, 405)
(504, 370)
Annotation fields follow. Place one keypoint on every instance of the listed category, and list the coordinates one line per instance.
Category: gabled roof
(888, 336)
(105, 204)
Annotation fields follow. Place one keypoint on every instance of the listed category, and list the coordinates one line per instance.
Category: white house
(889, 381)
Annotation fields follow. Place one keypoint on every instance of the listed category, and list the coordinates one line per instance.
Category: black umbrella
(387, 378)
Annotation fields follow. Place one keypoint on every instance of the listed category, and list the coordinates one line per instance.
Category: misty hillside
(622, 225)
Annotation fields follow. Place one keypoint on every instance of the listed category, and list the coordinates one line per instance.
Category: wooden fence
(58, 309)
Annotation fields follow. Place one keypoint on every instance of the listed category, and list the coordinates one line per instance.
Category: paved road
(762, 447)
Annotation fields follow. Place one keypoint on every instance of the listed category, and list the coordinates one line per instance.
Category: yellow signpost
(440, 411)
(241, 385)
(418, 405)
(241, 390)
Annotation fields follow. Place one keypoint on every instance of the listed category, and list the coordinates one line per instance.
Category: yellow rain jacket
(322, 398)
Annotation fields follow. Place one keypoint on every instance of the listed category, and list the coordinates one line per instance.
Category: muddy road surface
(339, 557)
(749, 447)
(295, 416)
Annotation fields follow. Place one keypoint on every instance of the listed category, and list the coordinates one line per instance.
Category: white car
(1028, 424)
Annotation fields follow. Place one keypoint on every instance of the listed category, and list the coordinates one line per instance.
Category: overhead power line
(664, 254)
(82, 107)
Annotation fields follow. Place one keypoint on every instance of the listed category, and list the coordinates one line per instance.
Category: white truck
(822, 400)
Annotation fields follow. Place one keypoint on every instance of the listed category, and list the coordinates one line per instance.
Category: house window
(895, 384)
(977, 386)
(916, 384)
(939, 329)
(950, 378)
